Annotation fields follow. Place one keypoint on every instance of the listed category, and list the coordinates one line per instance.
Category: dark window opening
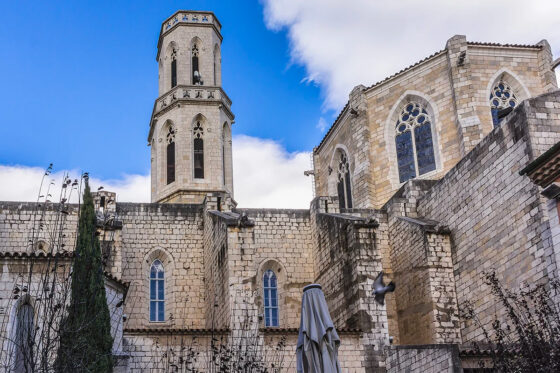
(199, 159)
(196, 76)
(170, 155)
(170, 163)
(24, 335)
(343, 186)
(198, 150)
(173, 73)
(340, 189)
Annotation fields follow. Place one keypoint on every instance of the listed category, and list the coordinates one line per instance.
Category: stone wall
(279, 240)
(423, 359)
(423, 269)
(174, 235)
(26, 280)
(347, 261)
(497, 218)
(216, 271)
(454, 84)
(28, 227)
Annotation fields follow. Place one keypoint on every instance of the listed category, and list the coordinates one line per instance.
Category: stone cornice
(187, 18)
(190, 95)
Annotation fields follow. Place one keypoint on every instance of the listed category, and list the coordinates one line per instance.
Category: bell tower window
(173, 68)
(196, 76)
(502, 101)
(343, 182)
(170, 150)
(198, 150)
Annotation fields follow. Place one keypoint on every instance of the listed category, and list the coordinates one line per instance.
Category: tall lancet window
(270, 288)
(413, 138)
(157, 292)
(173, 68)
(343, 185)
(198, 149)
(502, 101)
(224, 139)
(196, 76)
(23, 338)
(170, 149)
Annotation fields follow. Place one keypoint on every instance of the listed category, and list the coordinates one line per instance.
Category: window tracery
(157, 292)
(343, 182)
(413, 138)
(502, 101)
(270, 289)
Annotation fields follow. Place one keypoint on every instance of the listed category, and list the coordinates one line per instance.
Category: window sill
(427, 175)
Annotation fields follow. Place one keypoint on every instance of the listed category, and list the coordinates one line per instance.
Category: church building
(432, 175)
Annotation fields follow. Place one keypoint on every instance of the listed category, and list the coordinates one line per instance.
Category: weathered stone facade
(434, 234)
(456, 95)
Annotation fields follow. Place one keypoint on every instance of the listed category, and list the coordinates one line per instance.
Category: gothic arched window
(198, 149)
(270, 288)
(196, 76)
(173, 68)
(23, 338)
(157, 292)
(343, 184)
(170, 150)
(502, 101)
(415, 147)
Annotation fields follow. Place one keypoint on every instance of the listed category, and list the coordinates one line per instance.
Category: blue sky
(79, 80)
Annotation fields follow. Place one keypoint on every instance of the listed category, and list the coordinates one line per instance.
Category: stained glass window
(414, 143)
(343, 182)
(170, 150)
(270, 288)
(198, 133)
(502, 101)
(157, 292)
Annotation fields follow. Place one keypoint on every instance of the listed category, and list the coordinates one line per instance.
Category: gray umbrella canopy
(317, 346)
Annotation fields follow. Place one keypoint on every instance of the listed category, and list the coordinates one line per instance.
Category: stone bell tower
(190, 127)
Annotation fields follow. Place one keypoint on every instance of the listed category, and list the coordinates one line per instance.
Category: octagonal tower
(190, 127)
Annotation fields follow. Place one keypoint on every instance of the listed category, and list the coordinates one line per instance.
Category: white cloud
(322, 124)
(265, 175)
(345, 43)
(21, 183)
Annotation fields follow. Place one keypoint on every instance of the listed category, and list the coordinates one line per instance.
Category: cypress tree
(85, 332)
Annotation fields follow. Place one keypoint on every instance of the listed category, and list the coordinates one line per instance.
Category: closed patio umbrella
(317, 346)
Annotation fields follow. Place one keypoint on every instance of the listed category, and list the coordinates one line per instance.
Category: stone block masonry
(497, 218)
(439, 358)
